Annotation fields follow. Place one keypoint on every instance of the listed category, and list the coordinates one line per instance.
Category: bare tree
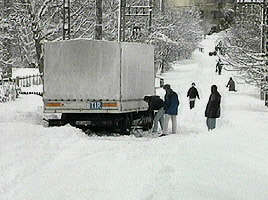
(240, 48)
(174, 33)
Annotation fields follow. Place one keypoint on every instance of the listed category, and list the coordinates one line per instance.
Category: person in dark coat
(231, 84)
(213, 108)
(219, 67)
(192, 94)
(155, 103)
(171, 108)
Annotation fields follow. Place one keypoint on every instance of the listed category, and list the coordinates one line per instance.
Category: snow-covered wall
(23, 72)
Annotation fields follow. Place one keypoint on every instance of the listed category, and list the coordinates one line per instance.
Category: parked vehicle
(98, 84)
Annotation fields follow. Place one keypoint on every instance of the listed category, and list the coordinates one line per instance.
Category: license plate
(96, 105)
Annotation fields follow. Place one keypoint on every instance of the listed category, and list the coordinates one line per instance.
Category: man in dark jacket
(155, 103)
(213, 108)
(219, 67)
(192, 94)
(231, 85)
(171, 108)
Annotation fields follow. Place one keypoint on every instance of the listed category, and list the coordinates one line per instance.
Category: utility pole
(150, 3)
(66, 20)
(162, 6)
(98, 25)
(133, 11)
(265, 45)
(121, 21)
(264, 42)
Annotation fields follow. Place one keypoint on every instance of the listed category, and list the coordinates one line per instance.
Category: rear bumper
(94, 106)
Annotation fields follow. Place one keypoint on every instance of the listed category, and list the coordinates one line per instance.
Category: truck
(98, 84)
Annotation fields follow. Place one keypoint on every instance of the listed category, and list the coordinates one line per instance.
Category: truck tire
(125, 126)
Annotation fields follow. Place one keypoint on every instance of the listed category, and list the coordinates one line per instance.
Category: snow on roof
(22, 72)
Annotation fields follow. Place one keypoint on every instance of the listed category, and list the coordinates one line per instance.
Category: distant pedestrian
(231, 84)
(12, 92)
(192, 94)
(219, 67)
(171, 108)
(155, 103)
(213, 108)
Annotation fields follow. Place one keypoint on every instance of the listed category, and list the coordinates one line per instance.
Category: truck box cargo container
(84, 76)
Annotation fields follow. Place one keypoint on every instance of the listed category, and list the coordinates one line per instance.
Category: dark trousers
(192, 104)
(219, 71)
(211, 123)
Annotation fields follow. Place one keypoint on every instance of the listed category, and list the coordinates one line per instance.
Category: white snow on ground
(230, 163)
(33, 88)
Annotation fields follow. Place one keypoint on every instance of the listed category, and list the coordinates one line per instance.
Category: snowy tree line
(27, 24)
(240, 47)
(10, 88)
(8, 91)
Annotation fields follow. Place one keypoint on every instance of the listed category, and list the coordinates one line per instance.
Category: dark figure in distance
(192, 94)
(219, 67)
(231, 84)
(213, 108)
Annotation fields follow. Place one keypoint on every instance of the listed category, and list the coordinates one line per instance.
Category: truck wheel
(125, 126)
(148, 122)
(64, 118)
(147, 126)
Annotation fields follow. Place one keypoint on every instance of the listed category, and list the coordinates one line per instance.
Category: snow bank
(58, 163)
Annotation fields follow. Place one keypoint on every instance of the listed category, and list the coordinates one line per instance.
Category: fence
(28, 81)
(10, 88)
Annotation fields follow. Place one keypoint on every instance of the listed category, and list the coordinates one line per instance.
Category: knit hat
(146, 98)
(166, 86)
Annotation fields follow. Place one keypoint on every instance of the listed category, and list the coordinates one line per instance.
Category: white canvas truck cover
(137, 71)
(91, 70)
(82, 69)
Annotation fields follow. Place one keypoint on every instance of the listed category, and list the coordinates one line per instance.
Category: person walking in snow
(219, 67)
(213, 108)
(231, 84)
(155, 103)
(171, 109)
(192, 94)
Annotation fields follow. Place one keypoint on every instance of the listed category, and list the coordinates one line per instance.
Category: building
(182, 3)
(211, 10)
(198, 2)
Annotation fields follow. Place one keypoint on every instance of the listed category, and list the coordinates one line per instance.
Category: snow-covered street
(62, 163)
